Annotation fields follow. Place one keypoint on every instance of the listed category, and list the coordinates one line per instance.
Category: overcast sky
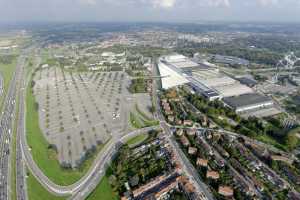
(150, 10)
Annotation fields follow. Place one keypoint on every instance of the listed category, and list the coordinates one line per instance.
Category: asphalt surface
(6, 127)
(20, 167)
(86, 184)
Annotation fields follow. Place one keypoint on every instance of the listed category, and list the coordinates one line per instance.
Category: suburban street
(189, 169)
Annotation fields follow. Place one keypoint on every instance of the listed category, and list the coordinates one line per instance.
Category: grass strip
(103, 190)
(37, 192)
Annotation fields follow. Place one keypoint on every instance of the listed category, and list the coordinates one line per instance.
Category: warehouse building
(224, 85)
(248, 81)
(169, 77)
(248, 102)
(181, 62)
(230, 60)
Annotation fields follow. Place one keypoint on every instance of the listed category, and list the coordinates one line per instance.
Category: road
(89, 181)
(188, 168)
(6, 127)
(20, 166)
(81, 188)
(109, 154)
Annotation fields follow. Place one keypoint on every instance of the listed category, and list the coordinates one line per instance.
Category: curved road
(90, 179)
(82, 188)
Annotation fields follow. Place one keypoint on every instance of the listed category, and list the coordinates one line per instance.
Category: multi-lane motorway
(6, 127)
(20, 167)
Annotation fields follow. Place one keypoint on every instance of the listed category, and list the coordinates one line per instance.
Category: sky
(149, 10)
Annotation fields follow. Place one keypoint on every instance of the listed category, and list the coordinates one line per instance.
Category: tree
(292, 141)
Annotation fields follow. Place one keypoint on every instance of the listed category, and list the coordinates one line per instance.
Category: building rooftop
(225, 191)
(248, 81)
(192, 150)
(235, 89)
(170, 78)
(202, 162)
(246, 100)
(212, 174)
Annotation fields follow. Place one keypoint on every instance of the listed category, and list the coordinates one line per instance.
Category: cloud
(88, 2)
(163, 3)
(218, 3)
(266, 3)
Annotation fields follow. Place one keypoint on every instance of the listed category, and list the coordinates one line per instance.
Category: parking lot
(79, 111)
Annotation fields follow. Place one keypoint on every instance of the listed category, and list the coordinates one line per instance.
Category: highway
(6, 127)
(20, 167)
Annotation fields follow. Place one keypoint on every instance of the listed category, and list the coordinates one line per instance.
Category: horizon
(178, 11)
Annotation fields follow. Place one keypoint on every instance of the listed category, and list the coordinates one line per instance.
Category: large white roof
(236, 89)
(220, 81)
(170, 77)
(175, 58)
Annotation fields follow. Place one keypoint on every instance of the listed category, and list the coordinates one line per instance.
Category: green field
(7, 71)
(142, 113)
(135, 121)
(103, 191)
(37, 192)
(45, 157)
(139, 119)
(137, 140)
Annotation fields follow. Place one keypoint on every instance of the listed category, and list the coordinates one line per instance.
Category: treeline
(252, 127)
(7, 59)
(138, 86)
(274, 43)
(253, 55)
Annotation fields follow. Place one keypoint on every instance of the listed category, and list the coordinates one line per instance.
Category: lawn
(137, 140)
(142, 113)
(271, 141)
(103, 191)
(135, 121)
(37, 192)
(46, 158)
(7, 71)
(138, 121)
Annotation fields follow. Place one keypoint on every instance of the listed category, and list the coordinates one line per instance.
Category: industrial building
(247, 81)
(230, 60)
(178, 70)
(248, 102)
(206, 80)
(224, 85)
(181, 62)
(170, 78)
